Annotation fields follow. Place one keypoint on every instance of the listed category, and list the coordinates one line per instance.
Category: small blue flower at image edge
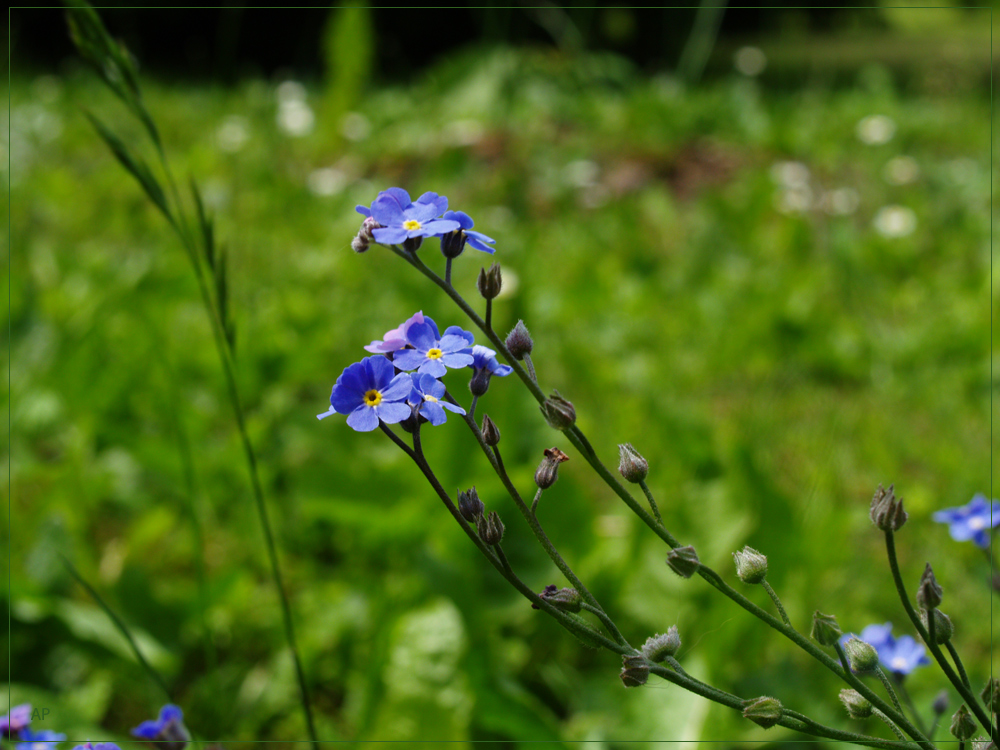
(427, 399)
(395, 339)
(367, 392)
(46, 739)
(477, 240)
(434, 354)
(15, 720)
(899, 655)
(971, 521)
(168, 731)
(98, 746)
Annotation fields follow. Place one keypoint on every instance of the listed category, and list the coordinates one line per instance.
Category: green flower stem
(777, 602)
(888, 688)
(904, 696)
(958, 664)
(652, 502)
(970, 700)
(675, 664)
(789, 719)
(577, 438)
(530, 367)
(603, 617)
(503, 560)
(534, 503)
(447, 271)
(570, 623)
(472, 407)
(529, 515)
(888, 723)
(488, 318)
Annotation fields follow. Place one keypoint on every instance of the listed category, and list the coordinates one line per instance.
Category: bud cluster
(635, 671)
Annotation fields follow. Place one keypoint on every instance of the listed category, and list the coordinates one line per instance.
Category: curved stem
(888, 688)
(958, 664)
(888, 723)
(534, 503)
(603, 617)
(652, 502)
(777, 602)
(904, 695)
(530, 367)
(970, 700)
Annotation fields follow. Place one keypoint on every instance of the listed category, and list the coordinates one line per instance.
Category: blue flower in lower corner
(899, 655)
(43, 740)
(168, 731)
(16, 720)
(426, 399)
(971, 521)
(98, 746)
(367, 392)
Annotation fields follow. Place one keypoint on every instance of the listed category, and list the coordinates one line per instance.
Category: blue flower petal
(363, 419)
(392, 413)
(398, 389)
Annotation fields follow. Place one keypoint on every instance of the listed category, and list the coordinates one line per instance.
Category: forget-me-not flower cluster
(971, 521)
(899, 655)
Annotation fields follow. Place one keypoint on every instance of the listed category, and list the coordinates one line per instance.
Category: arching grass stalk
(117, 70)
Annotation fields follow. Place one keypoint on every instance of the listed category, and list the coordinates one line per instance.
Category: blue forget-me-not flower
(46, 739)
(432, 353)
(400, 219)
(168, 731)
(971, 521)
(369, 391)
(899, 655)
(427, 396)
(454, 242)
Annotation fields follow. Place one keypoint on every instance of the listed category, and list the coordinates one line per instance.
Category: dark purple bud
(412, 244)
(683, 561)
(469, 505)
(480, 382)
(519, 341)
(635, 671)
(491, 433)
(490, 528)
(490, 282)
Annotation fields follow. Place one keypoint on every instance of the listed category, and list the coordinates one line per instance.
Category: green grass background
(773, 366)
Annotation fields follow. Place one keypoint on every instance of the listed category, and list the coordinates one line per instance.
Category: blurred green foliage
(776, 313)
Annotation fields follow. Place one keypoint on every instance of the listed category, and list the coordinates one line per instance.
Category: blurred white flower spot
(875, 130)
(581, 173)
(355, 126)
(901, 170)
(895, 221)
(290, 91)
(841, 201)
(791, 174)
(463, 133)
(295, 118)
(794, 200)
(750, 61)
(233, 134)
(326, 181)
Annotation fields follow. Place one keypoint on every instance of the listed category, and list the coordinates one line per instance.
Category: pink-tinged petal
(387, 211)
(421, 336)
(363, 419)
(389, 235)
(393, 413)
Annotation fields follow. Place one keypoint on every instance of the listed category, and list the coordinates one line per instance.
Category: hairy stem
(777, 602)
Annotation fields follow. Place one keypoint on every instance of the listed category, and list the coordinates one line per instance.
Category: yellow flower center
(373, 398)
(434, 354)
(411, 224)
(429, 398)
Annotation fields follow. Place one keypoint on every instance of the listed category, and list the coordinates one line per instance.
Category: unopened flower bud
(567, 600)
(548, 470)
(412, 244)
(491, 433)
(632, 466)
(480, 382)
(519, 341)
(930, 593)
(490, 282)
(683, 561)
(861, 655)
(991, 695)
(963, 726)
(558, 412)
(825, 630)
(659, 647)
(858, 707)
(887, 510)
(983, 744)
(635, 671)
(944, 629)
(751, 565)
(764, 711)
(453, 243)
(490, 528)
(940, 704)
(359, 244)
(469, 505)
